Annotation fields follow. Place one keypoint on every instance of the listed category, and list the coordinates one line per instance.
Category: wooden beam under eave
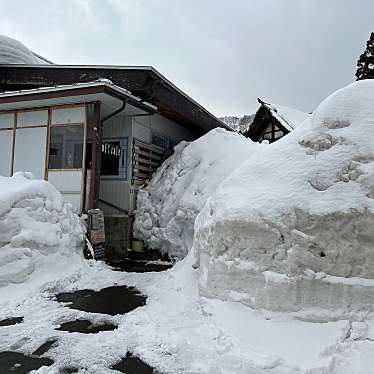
(96, 157)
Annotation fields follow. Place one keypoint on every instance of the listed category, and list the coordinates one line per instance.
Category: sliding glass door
(67, 139)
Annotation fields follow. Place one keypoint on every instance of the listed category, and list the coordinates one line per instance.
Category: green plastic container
(137, 246)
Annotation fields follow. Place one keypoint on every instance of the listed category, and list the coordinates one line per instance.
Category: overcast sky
(224, 54)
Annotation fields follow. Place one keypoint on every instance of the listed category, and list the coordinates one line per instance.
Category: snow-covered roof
(103, 90)
(289, 118)
(14, 52)
(99, 82)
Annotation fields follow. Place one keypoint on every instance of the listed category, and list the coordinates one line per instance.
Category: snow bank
(14, 52)
(168, 205)
(292, 227)
(34, 224)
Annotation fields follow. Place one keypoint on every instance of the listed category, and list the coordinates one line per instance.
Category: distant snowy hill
(240, 124)
(14, 52)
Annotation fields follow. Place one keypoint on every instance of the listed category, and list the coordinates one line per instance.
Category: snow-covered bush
(292, 227)
(35, 223)
(168, 205)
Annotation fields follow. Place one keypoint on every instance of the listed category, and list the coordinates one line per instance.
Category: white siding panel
(32, 118)
(115, 192)
(30, 150)
(6, 144)
(141, 132)
(68, 115)
(74, 200)
(66, 180)
(144, 126)
(6, 120)
(117, 127)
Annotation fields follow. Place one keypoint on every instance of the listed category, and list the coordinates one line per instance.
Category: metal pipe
(119, 110)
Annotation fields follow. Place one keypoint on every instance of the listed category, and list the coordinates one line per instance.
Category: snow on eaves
(289, 118)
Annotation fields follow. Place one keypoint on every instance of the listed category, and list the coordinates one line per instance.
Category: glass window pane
(32, 118)
(30, 150)
(6, 120)
(66, 147)
(68, 115)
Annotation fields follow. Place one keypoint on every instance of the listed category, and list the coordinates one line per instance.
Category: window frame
(124, 153)
(51, 125)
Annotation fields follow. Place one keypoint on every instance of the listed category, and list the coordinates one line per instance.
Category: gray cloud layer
(223, 53)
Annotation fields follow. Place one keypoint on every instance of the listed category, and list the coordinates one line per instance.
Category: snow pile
(168, 206)
(14, 52)
(35, 223)
(291, 228)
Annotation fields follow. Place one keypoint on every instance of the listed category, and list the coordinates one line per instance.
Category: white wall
(6, 145)
(142, 128)
(115, 192)
(68, 182)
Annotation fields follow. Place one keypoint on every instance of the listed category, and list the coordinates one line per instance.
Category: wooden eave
(144, 82)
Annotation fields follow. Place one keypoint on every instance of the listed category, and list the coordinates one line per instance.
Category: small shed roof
(289, 118)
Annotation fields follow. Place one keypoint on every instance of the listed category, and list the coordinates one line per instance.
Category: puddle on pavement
(86, 327)
(11, 321)
(45, 347)
(18, 363)
(133, 365)
(140, 266)
(110, 300)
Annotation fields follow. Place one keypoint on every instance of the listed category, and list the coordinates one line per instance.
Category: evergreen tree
(365, 64)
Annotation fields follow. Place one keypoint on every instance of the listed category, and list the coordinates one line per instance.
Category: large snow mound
(291, 228)
(168, 205)
(35, 223)
(14, 52)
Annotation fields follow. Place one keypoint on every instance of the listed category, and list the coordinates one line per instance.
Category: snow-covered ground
(178, 331)
(168, 206)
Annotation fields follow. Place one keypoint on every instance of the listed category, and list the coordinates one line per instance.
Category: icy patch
(168, 206)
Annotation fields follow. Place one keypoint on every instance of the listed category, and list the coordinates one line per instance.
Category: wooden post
(96, 157)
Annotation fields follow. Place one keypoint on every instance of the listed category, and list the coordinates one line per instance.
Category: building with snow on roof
(97, 133)
(272, 122)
